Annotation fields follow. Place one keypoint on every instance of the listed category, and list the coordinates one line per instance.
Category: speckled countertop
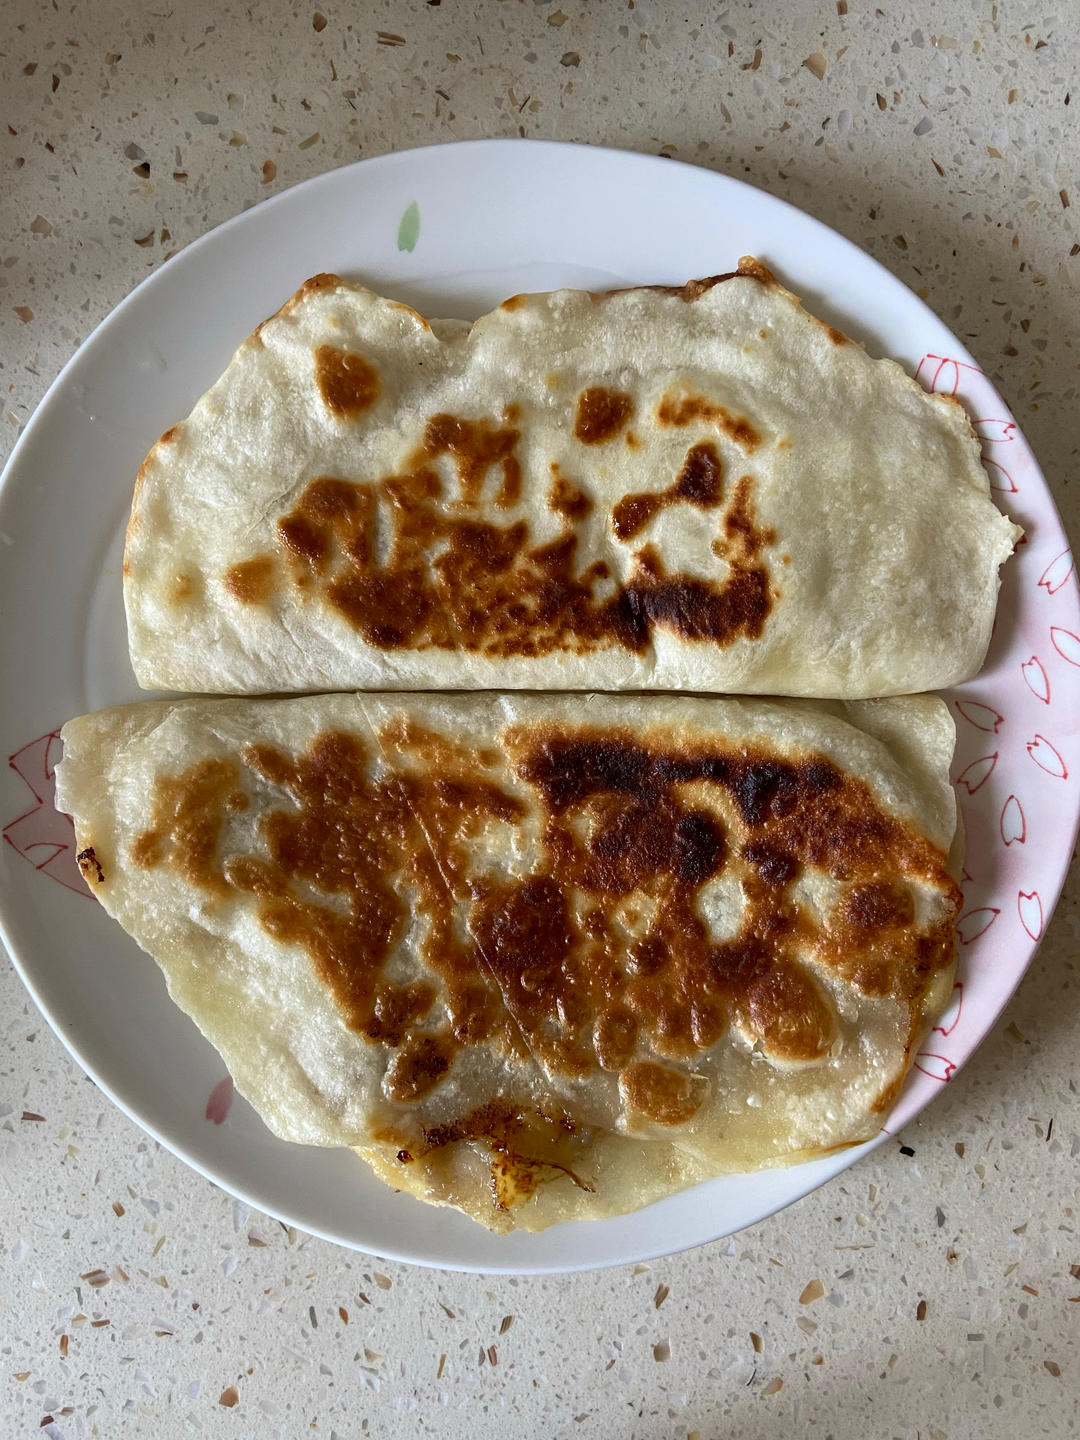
(931, 1291)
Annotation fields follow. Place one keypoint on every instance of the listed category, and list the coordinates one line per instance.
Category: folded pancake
(538, 957)
(700, 489)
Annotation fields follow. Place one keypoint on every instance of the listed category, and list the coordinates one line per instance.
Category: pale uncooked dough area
(931, 1292)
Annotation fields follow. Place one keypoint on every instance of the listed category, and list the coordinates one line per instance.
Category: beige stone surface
(929, 1294)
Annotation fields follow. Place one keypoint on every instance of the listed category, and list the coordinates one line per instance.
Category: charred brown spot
(689, 408)
(601, 414)
(879, 906)
(473, 1012)
(633, 512)
(697, 847)
(493, 1122)
(513, 302)
(90, 866)
(451, 581)
(397, 1009)
(775, 867)
(342, 836)
(328, 509)
(251, 581)
(417, 1068)
(700, 482)
(783, 1005)
(773, 790)
(665, 1096)
(614, 1037)
(520, 924)
(871, 928)
(698, 609)
(647, 957)
(475, 446)
(836, 336)
(187, 816)
(799, 814)
(524, 1147)
(565, 498)
(347, 382)
(523, 936)
(741, 525)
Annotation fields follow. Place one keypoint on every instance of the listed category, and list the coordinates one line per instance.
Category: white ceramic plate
(454, 230)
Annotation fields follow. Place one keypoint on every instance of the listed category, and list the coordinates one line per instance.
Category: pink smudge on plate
(220, 1102)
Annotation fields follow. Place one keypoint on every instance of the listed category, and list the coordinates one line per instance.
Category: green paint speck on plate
(409, 230)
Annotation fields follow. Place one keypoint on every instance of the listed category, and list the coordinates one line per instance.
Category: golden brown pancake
(701, 489)
(537, 957)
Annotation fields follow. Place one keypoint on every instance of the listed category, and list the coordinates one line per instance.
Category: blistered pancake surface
(537, 957)
(701, 488)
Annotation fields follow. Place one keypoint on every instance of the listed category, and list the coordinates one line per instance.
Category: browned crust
(753, 269)
(169, 437)
(318, 283)
(749, 268)
(133, 518)
(400, 305)
(314, 286)
(90, 866)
